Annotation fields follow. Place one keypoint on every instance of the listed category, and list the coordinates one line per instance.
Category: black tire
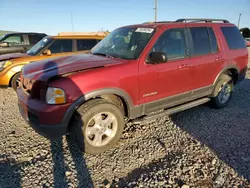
(84, 114)
(223, 81)
(14, 81)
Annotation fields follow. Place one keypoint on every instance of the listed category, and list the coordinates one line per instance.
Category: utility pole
(239, 21)
(156, 4)
(72, 23)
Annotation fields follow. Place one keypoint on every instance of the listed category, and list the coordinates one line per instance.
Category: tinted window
(35, 38)
(213, 41)
(59, 46)
(201, 42)
(14, 40)
(233, 37)
(172, 43)
(85, 44)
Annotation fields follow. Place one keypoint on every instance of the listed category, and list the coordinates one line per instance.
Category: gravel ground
(201, 147)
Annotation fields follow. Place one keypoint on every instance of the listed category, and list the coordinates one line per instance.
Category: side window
(35, 38)
(14, 40)
(201, 42)
(61, 45)
(85, 44)
(233, 37)
(213, 41)
(172, 43)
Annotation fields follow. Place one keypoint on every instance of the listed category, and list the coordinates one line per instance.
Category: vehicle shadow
(63, 174)
(10, 172)
(61, 171)
(225, 131)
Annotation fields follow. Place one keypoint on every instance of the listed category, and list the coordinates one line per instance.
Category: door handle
(219, 59)
(182, 66)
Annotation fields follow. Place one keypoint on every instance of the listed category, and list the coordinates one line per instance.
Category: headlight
(55, 96)
(4, 64)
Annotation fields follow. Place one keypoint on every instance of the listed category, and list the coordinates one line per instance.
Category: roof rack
(202, 19)
(158, 22)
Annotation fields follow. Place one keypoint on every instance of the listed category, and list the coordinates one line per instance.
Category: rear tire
(223, 91)
(15, 81)
(97, 126)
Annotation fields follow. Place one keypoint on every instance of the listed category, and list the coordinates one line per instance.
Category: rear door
(206, 57)
(84, 45)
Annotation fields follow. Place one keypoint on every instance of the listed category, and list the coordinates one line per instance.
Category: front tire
(98, 125)
(223, 91)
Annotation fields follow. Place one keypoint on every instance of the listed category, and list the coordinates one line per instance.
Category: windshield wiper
(103, 54)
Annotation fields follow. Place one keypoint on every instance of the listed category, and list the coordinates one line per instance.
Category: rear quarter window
(233, 37)
(35, 38)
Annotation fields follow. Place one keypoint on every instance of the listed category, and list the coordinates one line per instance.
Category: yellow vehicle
(48, 47)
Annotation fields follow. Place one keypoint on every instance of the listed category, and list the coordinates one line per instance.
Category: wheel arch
(231, 70)
(16, 69)
(10, 85)
(111, 94)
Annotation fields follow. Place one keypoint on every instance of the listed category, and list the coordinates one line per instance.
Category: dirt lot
(201, 147)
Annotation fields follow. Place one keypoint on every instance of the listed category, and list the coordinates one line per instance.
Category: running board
(171, 111)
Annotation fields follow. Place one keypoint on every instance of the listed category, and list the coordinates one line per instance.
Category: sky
(54, 16)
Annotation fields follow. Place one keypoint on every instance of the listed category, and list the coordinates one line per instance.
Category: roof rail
(158, 22)
(202, 19)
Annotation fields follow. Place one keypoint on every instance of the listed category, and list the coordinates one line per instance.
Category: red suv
(137, 73)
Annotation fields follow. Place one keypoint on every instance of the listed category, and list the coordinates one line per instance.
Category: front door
(166, 84)
(61, 47)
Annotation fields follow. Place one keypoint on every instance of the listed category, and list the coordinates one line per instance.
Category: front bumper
(5, 78)
(46, 120)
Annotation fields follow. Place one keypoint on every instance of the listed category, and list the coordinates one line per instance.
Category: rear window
(85, 44)
(35, 38)
(233, 37)
(201, 41)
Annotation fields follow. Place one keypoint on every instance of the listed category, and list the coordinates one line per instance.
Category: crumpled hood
(46, 69)
(11, 56)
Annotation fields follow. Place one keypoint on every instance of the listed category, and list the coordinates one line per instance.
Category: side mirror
(47, 52)
(156, 58)
(4, 44)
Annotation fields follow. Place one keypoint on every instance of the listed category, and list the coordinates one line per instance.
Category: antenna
(72, 24)
(239, 20)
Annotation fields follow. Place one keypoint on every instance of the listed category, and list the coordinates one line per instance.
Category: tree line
(245, 32)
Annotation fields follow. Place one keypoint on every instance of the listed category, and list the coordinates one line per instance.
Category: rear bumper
(45, 119)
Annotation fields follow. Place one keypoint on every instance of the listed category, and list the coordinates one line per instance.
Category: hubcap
(224, 93)
(101, 129)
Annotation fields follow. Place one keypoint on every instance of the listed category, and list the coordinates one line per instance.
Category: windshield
(125, 43)
(39, 46)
